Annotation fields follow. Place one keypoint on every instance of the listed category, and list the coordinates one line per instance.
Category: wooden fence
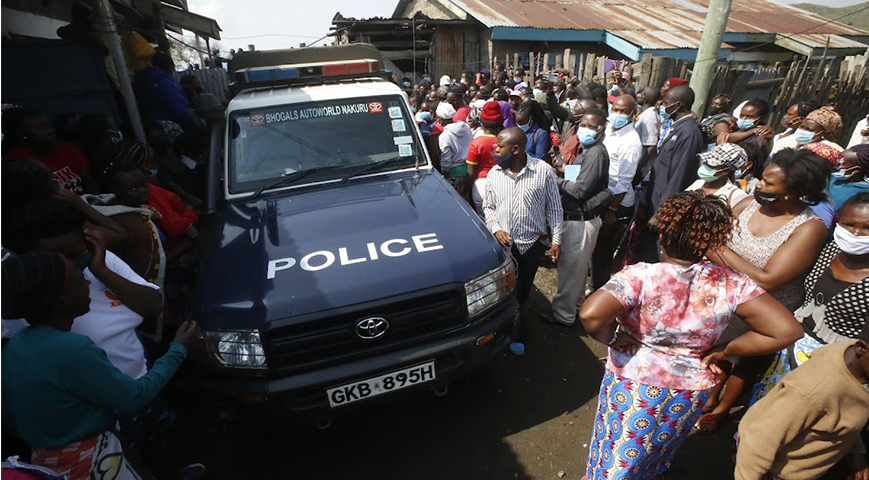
(590, 67)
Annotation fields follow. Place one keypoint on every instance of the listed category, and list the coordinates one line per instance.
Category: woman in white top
(791, 120)
(717, 169)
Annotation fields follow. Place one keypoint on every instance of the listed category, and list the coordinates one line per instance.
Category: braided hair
(692, 223)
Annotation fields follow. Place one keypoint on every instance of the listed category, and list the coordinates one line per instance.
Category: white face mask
(850, 243)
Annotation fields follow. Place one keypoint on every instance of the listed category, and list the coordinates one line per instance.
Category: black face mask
(764, 198)
(715, 111)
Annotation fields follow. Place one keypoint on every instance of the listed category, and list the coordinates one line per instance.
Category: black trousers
(527, 265)
(607, 242)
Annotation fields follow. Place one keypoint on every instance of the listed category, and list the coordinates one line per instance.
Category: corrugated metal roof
(653, 23)
(819, 41)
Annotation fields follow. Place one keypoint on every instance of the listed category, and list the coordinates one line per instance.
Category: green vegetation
(859, 19)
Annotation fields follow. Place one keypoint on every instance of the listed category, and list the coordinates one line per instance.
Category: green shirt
(59, 387)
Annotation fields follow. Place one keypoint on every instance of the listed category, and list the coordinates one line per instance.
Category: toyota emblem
(371, 328)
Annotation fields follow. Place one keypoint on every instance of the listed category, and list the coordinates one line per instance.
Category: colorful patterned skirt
(638, 428)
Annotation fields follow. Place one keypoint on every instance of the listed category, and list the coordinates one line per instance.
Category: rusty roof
(653, 23)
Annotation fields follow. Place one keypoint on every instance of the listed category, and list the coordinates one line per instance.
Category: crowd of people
(722, 255)
(722, 252)
(98, 234)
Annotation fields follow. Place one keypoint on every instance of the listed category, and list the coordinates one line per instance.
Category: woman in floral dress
(660, 322)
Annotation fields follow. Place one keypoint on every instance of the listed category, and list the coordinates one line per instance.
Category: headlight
(241, 349)
(491, 289)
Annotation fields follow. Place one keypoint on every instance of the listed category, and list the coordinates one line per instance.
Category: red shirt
(173, 217)
(480, 153)
(64, 160)
(462, 114)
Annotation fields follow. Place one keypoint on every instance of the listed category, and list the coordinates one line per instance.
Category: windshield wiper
(373, 166)
(290, 178)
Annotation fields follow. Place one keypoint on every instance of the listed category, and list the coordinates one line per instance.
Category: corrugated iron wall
(214, 81)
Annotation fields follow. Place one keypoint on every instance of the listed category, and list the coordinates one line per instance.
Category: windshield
(270, 143)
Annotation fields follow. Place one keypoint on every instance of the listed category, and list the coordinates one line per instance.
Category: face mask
(764, 198)
(426, 117)
(152, 173)
(639, 107)
(413, 110)
(714, 111)
(738, 173)
(117, 136)
(586, 136)
(707, 173)
(850, 243)
(842, 176)
(803, 136)
(619, 120)
(662, 112)
(82, 261)
(525, 128)
(536, 91)
(504, 160)
(517, 79)
(745, 124)
(406, 84)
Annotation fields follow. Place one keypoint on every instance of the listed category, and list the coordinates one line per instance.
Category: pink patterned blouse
(677, 313)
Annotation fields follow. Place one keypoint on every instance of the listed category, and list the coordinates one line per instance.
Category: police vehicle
(337, 266)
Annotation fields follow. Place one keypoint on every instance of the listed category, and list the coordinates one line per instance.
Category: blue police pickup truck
(337, 266)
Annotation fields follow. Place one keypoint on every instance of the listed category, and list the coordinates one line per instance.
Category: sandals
(710, 424)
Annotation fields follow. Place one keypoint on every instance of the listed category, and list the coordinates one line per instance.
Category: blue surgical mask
(517, 79)
(536, 91)
(413, 110)
(152, 173)
(619, 120)
(426, 117)
(662, 112)
(803, 136)
(738, 173)
(504, 160)
(406, 84)
(743, 124)
(842, 176)
(525, 128)
(639, 107)
(586, 136)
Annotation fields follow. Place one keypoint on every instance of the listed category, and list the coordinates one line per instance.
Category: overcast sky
(284, 24)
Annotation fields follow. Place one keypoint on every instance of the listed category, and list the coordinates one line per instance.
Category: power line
(269, 35)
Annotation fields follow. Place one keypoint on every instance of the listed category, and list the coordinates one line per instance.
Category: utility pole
(707, 54)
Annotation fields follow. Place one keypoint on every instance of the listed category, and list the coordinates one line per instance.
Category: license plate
(353, 392)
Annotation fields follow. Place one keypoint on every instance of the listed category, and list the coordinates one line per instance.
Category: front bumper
(301, 398)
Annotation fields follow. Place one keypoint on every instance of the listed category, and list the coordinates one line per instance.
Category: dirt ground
(520, 418)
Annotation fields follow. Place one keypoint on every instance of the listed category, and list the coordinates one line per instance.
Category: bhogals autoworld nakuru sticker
(315, 112)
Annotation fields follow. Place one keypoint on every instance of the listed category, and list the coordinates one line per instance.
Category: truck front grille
(322, 341)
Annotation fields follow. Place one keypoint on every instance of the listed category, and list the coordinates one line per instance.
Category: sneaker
(192, 472)
(550, 318)
(517, 348)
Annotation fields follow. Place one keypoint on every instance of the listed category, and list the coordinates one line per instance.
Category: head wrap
(492, 112)
(677, 82)
(507, 113)
(31, 285)
(827, 152)
(827, 118)
(140, 53)
(445, 81)
(445, 111)
(862, 151)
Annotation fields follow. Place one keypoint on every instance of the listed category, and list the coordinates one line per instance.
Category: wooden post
(566, 58)
(710, 43)
(646, 71)
(588, 74)
(544, 67)
(559, 60)
(532, 64)
(515, 61)
(821, 63)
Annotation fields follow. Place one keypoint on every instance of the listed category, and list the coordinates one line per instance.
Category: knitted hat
(445, 111)
(491, 113)
(32, 284)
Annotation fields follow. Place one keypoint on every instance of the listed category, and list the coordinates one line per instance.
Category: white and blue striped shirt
(523, 206)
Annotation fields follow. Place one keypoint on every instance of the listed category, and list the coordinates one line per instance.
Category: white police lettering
(422, 242)
(322, 259)
(306, 260)
(389, 253)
